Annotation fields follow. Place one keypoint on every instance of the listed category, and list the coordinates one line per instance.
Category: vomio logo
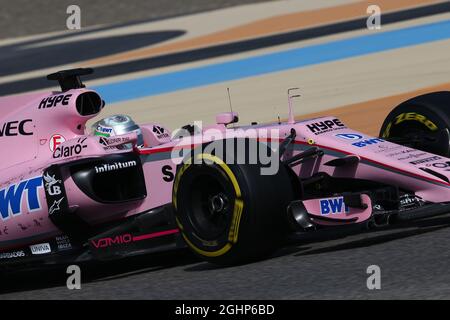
(110, 241)
(333, 206)
(11, 197)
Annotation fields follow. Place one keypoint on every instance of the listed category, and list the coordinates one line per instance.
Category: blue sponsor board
(11, 197)
(333, 206)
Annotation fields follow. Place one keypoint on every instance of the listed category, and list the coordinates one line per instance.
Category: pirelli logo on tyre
(410, 116)
(413, 116)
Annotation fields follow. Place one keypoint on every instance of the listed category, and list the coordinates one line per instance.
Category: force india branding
(11, 197)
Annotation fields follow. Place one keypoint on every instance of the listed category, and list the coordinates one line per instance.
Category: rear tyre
(422, 122)
(231, 214)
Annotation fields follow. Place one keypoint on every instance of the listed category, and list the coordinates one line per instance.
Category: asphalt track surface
(413, 258)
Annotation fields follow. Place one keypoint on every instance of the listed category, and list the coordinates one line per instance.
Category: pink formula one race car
(230, 193)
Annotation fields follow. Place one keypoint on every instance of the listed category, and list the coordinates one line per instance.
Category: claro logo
(15, 128)
(64, 151)
(111, 241)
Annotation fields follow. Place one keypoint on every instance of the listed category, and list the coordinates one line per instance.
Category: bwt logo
(333, 206)
(349, 136)
(367, 142)
(11, 197)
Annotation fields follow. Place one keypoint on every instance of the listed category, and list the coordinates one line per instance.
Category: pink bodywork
(61, 127)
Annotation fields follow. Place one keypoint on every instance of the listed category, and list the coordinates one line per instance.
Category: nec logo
(53, 101)
(333, 206)
(324, 126)
(110, 241)
(367, 142)
(15, 128)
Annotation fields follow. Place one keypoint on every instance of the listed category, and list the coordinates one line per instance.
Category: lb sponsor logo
(52, 185)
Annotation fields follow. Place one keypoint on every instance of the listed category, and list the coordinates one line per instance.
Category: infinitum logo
(115, 166)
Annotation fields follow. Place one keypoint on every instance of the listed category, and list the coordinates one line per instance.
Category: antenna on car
(291, 119)
(229, 101)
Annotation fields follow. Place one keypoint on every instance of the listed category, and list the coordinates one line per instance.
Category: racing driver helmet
(115, 125)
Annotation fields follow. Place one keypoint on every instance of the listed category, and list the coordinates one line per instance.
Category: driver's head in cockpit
(117, 125)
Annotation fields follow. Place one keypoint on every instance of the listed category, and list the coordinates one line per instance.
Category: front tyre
(230, 214)
(422, 122)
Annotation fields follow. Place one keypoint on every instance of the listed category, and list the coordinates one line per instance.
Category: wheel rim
(211, 205)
